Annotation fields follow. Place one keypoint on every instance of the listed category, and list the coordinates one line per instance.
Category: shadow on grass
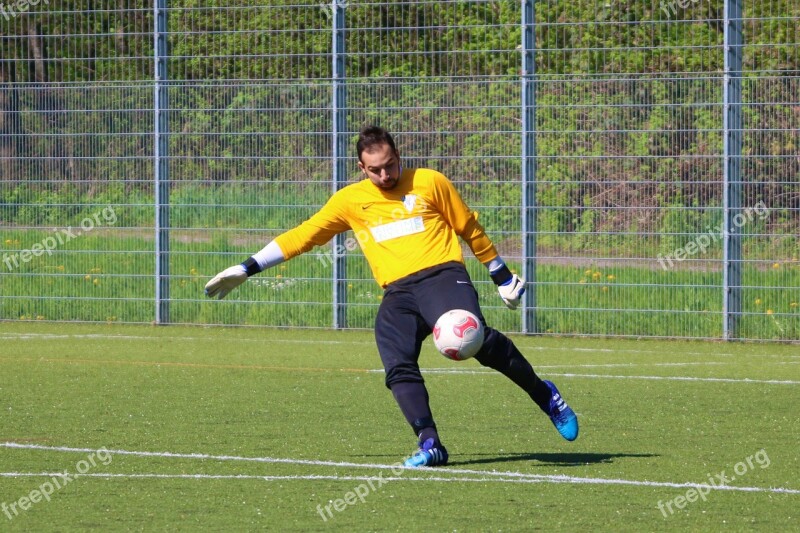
(552, 459)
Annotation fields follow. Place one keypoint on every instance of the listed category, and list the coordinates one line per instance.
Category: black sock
(412, 397)
(501, 354)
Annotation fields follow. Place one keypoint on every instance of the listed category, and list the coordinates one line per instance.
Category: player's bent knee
(403, 373)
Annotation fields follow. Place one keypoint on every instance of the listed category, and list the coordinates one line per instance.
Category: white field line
(264, 478)
(688, 378)
(607, 376)
(46, 336)
(457, 473)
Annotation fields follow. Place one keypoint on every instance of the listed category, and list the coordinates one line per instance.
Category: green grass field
(227, 429)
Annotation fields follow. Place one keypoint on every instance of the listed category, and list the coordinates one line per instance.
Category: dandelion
(60, 268)
(769, 311)
(87, 277)
(776, 265)
(596, 276)
(605, 289)
(582, 281)
(793, 305)
(193, 271)
(349, 285)
(278, 276)
(611, 277)
(96, 281)
(758, 301)
(587, 272)
(39, 317)
(8, 241)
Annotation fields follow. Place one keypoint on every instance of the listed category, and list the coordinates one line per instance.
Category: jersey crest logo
(409, 201)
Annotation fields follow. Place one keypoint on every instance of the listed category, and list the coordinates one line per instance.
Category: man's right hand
(226, 281)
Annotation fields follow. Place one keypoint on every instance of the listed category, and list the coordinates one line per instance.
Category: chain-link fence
(637, 161)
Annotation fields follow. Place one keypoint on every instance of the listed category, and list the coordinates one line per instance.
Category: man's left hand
(511, 291)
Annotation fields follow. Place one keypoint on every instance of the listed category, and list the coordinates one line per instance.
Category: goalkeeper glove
(226, 281)
(232, 277)
(510, 286)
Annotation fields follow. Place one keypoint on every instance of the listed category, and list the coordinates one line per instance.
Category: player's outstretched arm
(510, 286)
(230, 278)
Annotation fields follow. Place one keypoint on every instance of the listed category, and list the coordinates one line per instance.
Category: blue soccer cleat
(561, 414)
(429, 454)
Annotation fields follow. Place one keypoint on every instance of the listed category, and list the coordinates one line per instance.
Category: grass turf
(653, 414)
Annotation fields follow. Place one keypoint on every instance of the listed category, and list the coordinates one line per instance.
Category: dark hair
(370, 136)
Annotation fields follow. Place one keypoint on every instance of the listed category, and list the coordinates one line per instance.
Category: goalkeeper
(407, 222)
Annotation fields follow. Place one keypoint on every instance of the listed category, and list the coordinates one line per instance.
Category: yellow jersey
(401, 231)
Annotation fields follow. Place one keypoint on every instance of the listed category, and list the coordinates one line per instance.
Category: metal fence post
(339, 139)
(161, 163)
(732, 179)
(528, 111)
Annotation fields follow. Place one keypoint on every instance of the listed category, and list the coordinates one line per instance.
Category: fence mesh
(630, 199)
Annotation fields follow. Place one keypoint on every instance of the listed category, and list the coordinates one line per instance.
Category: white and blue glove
(510, 286)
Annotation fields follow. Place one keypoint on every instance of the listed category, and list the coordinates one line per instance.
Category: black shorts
(410, 308)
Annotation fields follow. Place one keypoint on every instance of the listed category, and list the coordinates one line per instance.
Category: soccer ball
(458, 334)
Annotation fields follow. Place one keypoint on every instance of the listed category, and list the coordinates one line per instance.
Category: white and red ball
(458, 334)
